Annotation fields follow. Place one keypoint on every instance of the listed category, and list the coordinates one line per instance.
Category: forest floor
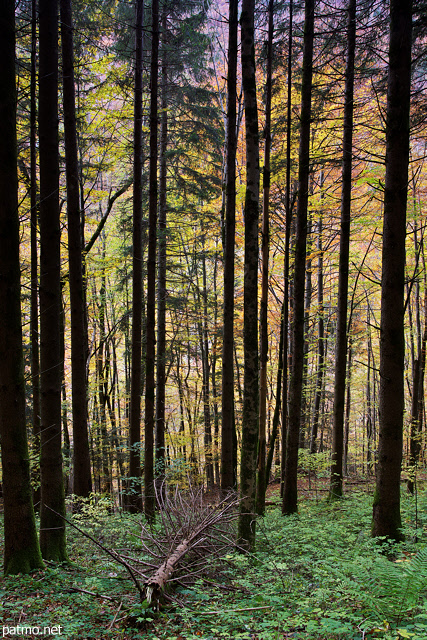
(317, 575)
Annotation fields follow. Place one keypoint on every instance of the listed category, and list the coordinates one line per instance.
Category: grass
(317, 575)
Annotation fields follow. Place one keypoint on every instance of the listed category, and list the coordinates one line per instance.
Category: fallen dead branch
(181, 548)
(220, 612)
(193, 533)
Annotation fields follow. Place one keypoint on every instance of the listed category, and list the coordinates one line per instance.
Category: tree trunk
(305, 398)
(161, 277)
(21, 547)
(134, 503)
(214, 377)
(287, 253)
(263, 330)
(290, 491)
(276, 415)
(347, 410)
(417, 409)
(250, 418)
(52, 527)
(227, 424)
(34, 321)
(151, 276)
(204, 343)
(82, 481)
(320, 344)
(386, 507)
(336, 483)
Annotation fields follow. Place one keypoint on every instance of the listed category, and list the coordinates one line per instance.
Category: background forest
(217, 278)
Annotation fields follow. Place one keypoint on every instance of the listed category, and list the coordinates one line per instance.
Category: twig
(116, 557)
(91, 593)
(110, 626)
(209, 613)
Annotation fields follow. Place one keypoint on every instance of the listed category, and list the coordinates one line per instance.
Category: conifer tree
(386, 508)
(21, 547)
(290, 492)
(250, 418)
(52, 526)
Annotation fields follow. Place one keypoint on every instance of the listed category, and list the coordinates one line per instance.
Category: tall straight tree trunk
(417, 409)
(320, 343)
(305, 399)
(161, 277)
(386, 507)
(205, 368)
(135, 494)
(103, 443)
(347, 409)
(261, 480)
(336, 483)
(250, 417)
(34, 327)
(287, 253)
(213, 375)
(276, 415)
(151, 275)
(52, 526)
(369, 408)
(290, 491)
(227, 424)
(21, 547)
(82, 483)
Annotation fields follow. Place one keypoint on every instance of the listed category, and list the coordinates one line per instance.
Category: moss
(24, 561)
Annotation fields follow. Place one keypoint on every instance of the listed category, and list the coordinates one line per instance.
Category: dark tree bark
(347, 409)
(290, 492)
(52, 527)
(250, 417)
(336, 483)
(320, 343)
(34, 327)
(265, 245)
(134, 503)
(287, 254)
(205, 368)
(417, 408)
(102, 375)
(305, 399)
(386, 507)
(151, 275)
(277, 408)
(214, 376)
(227, 424)
(369, 408)
(82, 480)
(21, 547)
(161, 277)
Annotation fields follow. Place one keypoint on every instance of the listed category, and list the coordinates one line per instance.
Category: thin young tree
(285, 312)
(250, 418)
(162, 270)
(34, 304)
(52, 508)
(134, 501)
(386, 507)
(82, 480)
(336, 482)
(265, 246)
(290, 491)
(151, 274)
(227, 424)
(21, 547)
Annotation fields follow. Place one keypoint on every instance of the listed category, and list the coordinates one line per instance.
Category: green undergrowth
(317, 575)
